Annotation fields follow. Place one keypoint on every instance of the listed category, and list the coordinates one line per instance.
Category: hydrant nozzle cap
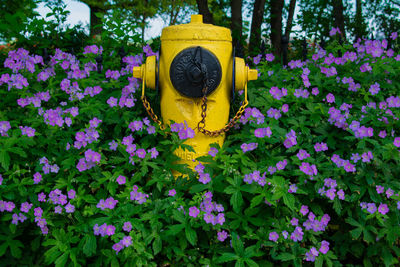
(252, 75)
(196, 19)
(137, 72)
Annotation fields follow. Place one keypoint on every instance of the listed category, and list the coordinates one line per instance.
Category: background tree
(13, 16)
(236, 20)
(256, 22)
(338, 14)
(276, 7)
(205, 11)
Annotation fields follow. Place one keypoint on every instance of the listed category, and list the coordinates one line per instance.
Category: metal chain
(147, 106)
(151, 113)
(227, 127)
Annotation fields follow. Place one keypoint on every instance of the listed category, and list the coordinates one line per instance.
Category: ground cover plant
(308, 176)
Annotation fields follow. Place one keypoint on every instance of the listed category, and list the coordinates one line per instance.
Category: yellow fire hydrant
(196, 73)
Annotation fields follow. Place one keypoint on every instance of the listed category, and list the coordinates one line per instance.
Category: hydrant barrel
(197, 63)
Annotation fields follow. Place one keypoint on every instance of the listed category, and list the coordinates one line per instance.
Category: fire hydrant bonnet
(196, 30)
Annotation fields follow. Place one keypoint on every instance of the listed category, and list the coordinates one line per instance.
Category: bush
(308, 175)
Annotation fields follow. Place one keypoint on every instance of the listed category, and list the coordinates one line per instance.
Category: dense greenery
(308, 175)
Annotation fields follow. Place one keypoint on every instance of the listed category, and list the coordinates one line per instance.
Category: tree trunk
(338, 15)
(276, 26)
(236, 20)
(358, 20)
(203, 10)
(290, 18)
(256, 21)
(95, 21)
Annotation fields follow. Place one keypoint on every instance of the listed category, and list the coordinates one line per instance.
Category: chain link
(227, 127)
(151, 113)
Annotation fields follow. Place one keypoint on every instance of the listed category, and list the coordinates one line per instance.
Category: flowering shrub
(308, 175)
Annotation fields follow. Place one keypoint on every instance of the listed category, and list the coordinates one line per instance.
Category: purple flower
(41, 197)
(340, 194)
(315, 91)
(121, 179)
(285, 234)
(69, 208)
(273, 236)
(269, 57)
(297, 234)
(37, 177)
(371, 208)
(141, 153)
(213, 151)
(58, 209)
(117, 247)
(383, 209)
(248, 147)
(302, 154)
(209, 218)
(71, 194)
(204, 178)
(25, 207)
(310, 255)
(330, 98)
(126, 241)
(380, 189)
(127, 226)
(292, 188)
(320, 147)
(262, 132)
(294, 221)
(324, 247)
(222, 235)
(374, 89)
(304, 210)
(153, 153)
(112, 102)
(396, 142)
(194, 211)
(220, 218)
(38, 212)
(389, 192)
(172, 192)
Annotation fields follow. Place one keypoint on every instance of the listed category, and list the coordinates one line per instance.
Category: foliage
(13, 15)
(308, 175)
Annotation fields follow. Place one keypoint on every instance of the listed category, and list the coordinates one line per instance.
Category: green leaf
(227, 257)
(175, 229)
(237, 244)
(198, 188)
(90, 246)
(15, 246)
(239, 263)
(256, 200)
(3, 248)
(285, 257)
(191, 235)
(289, 200)
(157, 245)
(4, 159)
(62, 260)
(251, 263)
(236, 201)
(319, 261)
(18, 151)
(178, 215)
(355, 233)
(51, 255)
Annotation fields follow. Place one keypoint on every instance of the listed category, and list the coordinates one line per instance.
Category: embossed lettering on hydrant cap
(192, 69)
